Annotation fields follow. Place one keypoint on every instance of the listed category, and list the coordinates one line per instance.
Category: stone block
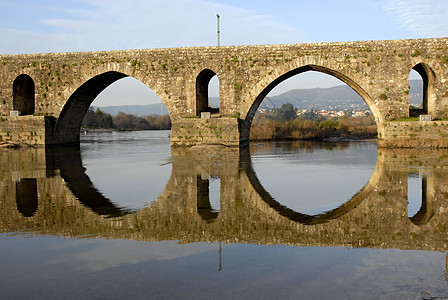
(425, 118)
(205, 115)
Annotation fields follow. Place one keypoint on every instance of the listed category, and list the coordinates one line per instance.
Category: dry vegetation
(265, 128)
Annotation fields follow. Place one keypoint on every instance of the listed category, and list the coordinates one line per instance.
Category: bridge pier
(413, 134)
(31, 130)
(214, 130)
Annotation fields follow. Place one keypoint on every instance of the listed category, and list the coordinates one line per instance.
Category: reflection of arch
(266, 89)
(68, 161)
(202, 100)
(23, 95)
(26, 196)
(205, 209)
(427, 75)
(304, 218)
(426, 210)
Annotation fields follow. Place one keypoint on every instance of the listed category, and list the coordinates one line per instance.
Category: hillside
(341, 96)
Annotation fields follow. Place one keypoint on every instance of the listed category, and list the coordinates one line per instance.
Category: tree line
(97, 119)
(284, 123)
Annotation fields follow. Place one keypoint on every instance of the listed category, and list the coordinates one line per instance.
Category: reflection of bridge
(39, 197)
(52, 92)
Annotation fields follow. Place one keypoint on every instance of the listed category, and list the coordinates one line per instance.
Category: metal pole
(218, 32)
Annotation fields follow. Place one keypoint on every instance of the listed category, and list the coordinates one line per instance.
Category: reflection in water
(300, 217)
(65, 202)
(68, 161)
(205, 208)
(186, 204)
(313, 182)
(26, 196)
(421, 201)
(415, 193)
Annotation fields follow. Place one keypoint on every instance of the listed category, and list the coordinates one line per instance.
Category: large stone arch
(429, 98)
(23, 95)
(68, 124)
(266, 84)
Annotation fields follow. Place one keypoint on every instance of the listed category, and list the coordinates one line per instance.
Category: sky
(42, 26)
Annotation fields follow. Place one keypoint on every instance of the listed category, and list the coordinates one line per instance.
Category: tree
(285, 113)
(89, 119)
(159, 122)
(130, 122)
(97, 119)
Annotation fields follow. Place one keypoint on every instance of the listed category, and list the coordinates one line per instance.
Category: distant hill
(138, 110)
(341, 96)
(338, 96)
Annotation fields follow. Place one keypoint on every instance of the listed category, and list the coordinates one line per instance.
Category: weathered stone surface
(64, 84)
(415, 134)
(192, 131)
(26, 129)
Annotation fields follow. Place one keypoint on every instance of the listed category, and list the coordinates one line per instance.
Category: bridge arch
(68, 124)
(428, 78)
(202, 97)
(270, 81)
(23, 98)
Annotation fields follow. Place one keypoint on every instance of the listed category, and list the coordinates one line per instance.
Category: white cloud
(428, 18)
(134, 24)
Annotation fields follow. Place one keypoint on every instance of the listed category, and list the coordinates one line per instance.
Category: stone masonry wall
(414, 134)
(192, 131)
(25, 129)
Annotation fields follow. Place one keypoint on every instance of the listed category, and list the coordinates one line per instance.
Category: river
(126, 215)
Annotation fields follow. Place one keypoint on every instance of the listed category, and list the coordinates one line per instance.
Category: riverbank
(350, 128)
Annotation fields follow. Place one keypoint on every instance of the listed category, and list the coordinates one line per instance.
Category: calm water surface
(127, 216)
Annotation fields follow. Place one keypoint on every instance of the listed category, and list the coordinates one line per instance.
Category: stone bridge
(52, 92)
(49, 193)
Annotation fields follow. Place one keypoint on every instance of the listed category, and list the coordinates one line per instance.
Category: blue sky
(32, 26)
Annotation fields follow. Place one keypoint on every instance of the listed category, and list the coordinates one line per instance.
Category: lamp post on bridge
(218, 32)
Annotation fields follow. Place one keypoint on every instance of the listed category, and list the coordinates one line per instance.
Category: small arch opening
(23, 95)
(421, 91)
(207, 92)
(415, 91)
